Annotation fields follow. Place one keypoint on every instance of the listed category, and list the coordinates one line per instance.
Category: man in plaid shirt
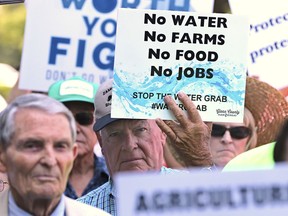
(137, 144)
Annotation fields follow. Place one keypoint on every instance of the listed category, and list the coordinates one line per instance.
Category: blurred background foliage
(12, 23)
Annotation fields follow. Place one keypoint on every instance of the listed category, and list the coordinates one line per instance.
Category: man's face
(130, 145)
(86, 137)
(40, 155)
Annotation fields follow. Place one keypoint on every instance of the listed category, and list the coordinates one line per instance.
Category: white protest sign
(268, 41)
(164, 52)
(203, 193)
(65, 38)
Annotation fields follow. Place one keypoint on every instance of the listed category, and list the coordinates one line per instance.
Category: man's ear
(100, 141)
(99, 138)
(75, 150)
(2, 161)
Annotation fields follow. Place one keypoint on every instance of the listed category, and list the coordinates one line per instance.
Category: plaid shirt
(100, 177)
(104, 196)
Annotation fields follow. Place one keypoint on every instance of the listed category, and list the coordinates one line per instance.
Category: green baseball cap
(73, 89)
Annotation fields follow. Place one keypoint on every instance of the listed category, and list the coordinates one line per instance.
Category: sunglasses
(235, 132)
(84, 118)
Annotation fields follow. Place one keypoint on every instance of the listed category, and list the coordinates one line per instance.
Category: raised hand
(188, 136)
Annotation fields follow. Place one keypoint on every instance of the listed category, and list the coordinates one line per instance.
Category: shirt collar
(112, 188)
(15, 210)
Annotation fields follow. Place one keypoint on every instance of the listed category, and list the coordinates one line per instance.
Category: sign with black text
(203, 193)
(160, 53)
(66, 38)
(268, 40)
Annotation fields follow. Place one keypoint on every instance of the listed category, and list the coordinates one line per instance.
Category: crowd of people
(47, 145)
(48, 164)
(89, 171)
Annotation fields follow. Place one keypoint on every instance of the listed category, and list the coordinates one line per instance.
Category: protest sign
(65, 38)
(10, 1)
(160, 53)
(268, 41)
(202, 193)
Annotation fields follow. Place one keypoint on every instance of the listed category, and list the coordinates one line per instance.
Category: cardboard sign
(202, 193)
(268, 41)
(160, 53)
(65, 38)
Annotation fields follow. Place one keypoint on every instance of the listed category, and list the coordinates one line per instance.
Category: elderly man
(137, 145)
(37, 150)
(89, 171)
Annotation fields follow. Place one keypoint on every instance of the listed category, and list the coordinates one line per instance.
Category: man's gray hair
(35, 101)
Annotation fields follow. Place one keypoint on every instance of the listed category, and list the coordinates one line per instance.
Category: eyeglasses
(235, 132)
(84, 118)
(2, 185)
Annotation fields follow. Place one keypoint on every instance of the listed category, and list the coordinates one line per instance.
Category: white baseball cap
(102, 105)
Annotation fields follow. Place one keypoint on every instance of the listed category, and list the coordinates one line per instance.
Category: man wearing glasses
(89, 171)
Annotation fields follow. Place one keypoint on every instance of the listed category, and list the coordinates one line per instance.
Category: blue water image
(228, 80)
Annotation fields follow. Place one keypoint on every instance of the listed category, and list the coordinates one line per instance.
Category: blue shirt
(100, 177)
(104, 196)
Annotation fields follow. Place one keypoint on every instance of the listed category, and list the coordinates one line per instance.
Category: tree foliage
(12, 23)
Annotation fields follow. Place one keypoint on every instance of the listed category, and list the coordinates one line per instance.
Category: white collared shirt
(15, 210)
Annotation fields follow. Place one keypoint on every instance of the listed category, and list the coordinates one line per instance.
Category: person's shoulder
(257, 158)
(100, 164)
(100, 191)
(76, 208)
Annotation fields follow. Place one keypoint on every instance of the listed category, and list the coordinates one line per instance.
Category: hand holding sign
(189, 137)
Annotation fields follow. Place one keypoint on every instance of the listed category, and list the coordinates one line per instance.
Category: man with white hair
(137, 144)
(37, 150)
